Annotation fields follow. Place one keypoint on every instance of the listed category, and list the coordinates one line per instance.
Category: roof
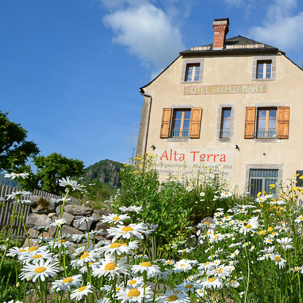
(232, 45)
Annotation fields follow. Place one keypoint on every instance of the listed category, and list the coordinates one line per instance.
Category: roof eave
(230, 51)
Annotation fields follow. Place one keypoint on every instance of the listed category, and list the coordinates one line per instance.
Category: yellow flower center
(62, 241)
(134, 293)
(131, 282)
(248, 226)
(182, 265)
(82, 288)
(84, 256)
(33, 248)
(168, 262)
(270, 229)
(277, 258)
(206, 223)
(86, 252)
(127, 229)
(118, 288)
(37, 256)
(110, 266)
(90, 263)
(189, 286)
(116, 218)
(220, 270)
(211, 280)
(146, 264)
(115, 245)
(124, 244)
(22, 250)
(297, 268)
(172, 298)
(40, 270)
(67, 280)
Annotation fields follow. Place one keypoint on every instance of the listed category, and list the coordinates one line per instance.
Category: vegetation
(14, 148)
(245, 250)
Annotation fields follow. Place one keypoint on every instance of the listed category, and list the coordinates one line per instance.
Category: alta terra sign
(172, 161)
(225, 89)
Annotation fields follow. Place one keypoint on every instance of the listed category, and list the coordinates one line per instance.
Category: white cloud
(281, 28)
(146, 31)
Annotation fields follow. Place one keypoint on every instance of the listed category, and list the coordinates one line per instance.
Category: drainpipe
(148, 119)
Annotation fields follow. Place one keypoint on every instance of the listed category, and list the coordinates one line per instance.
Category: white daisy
(113, 218)
(81, 292)
(109, 268)
(16, 176)
(212, 283)
(70, 184)
(135, 282)
(170, 296)
(134, 294)
(132, 230)
(40, 270)
(146, 266)
(116, 247)
(66, 284)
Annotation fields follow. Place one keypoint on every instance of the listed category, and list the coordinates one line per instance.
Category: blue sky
(71, 69)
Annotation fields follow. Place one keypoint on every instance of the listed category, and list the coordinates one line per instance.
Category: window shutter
(165, 123)
(283, 122)
(249, 132)
(195, 122)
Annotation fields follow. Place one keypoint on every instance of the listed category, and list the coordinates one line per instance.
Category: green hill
(7, 181)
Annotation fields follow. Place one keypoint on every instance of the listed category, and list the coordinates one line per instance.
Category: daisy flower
(109, 268)
(183, 265)
(132, 230)
(42, 269)
(113, 218)
(116, 247)
(146, 266)
(16, 176)
(18, 194)
(212, 283)
(35, 256)
(59, 222)
(70, 184)
(187, 286)
(84, 258)
(135, 282)
(170, 296)
(299, 219)
(81, 292)
(66, 284)
(134, 294)
(278, 260)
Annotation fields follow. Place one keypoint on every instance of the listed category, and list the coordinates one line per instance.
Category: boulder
(97, 214)
(33, 233)
(83, 225)
(42, 205)
(52, 231)
(68, 230)
(50, 215)
(37, 220)
(68, 217)
(78, 210)
(100, 226)
(45, 235)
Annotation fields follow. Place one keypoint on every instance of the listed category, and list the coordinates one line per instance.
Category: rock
(33, 233)
(99, 213)
(100, 226)
(37, 220)
(68, 217)
(50, 215)
(45, 235)
(68, 230)
(83, 225)
(78, 210)
(42, 205)
(52, 231)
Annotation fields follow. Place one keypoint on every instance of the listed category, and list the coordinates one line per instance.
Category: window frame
(173, 121)
(260, 59)
(221, 109)
(189, 62)
(258, 109)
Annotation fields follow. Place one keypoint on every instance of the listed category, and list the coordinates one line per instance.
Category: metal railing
(266, 133)
(224, 133)
(182, 134)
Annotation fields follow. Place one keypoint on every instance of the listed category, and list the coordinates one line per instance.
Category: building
(236, 102)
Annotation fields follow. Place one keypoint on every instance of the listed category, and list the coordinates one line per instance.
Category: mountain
(104, 171)
(7, 181)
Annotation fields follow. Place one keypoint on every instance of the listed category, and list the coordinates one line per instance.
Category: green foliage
(14, 148)
(49, 170)
(173, 206)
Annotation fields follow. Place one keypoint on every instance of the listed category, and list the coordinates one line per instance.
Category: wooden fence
(6, 208)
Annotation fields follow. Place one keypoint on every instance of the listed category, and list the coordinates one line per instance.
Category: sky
(70, 70)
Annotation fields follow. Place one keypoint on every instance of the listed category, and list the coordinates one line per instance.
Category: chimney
(221, 27)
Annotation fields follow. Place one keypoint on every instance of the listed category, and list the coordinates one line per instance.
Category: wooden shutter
(249, 132)
(195, 122)
(166, 116)
(283, 122)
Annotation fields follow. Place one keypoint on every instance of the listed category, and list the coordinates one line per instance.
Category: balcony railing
(266, 133)
(180, 134)
(224, 133)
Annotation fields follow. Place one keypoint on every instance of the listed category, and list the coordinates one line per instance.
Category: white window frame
(187, 62)
(257, 59)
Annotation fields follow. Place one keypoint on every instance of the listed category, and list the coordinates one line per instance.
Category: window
(260, 179)
(181, 122)
(267, 123)
(264, 70)
(225, 123)
(192, 70)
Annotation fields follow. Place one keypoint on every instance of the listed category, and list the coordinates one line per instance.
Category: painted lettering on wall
(225, 89)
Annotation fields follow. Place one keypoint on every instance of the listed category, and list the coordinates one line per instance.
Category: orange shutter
(195, 122)
(165, 123)
(250, 123)
(283, 122)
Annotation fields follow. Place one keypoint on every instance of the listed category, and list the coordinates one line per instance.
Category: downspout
(148, 119)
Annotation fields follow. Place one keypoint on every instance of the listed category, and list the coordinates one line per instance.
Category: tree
(14, 148)
(49, 170)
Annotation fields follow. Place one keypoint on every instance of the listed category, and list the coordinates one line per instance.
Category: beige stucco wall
(285, 90)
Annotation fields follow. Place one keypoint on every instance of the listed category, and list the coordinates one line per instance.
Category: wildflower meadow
(189, 239)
